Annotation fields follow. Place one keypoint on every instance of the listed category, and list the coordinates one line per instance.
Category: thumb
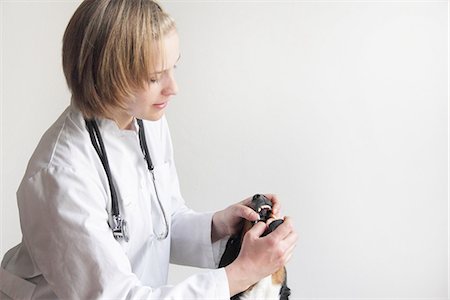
(258, 229)
(247, 213)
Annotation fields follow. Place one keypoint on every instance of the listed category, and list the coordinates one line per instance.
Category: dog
(273, 286)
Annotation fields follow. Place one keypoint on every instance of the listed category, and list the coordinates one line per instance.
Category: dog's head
(263, 206)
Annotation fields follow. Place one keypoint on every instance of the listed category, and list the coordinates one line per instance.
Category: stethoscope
(119, 225)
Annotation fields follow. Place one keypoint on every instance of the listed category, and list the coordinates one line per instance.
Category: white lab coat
(68, 250)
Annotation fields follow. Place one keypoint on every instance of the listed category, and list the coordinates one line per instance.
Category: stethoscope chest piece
(120, 228)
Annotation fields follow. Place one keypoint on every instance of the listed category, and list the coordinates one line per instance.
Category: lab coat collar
(108, 125)
(111, 126)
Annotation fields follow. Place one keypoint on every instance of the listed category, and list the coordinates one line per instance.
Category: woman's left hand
(228, 221)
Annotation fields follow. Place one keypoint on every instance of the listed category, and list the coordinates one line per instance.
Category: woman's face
(151, 102)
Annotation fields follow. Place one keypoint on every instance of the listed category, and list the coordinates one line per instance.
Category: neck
(123, 120)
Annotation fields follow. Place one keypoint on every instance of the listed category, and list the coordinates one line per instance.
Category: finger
(291, 243)
(289, 252)
(246, 212)
(288, 257)
(291, 249)
(291, 239)
(258, 229)
(270, 220)
(275, 203)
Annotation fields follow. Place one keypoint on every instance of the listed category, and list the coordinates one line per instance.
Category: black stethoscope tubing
(99, 147)
(119, 226)
(144, 148)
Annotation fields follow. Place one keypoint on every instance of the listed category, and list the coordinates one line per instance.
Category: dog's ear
(234, 245)
(285, 292)
(231, 250)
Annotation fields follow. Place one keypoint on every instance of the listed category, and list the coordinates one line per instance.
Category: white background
(340, 108)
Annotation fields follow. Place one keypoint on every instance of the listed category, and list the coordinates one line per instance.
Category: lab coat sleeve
(65, 227)
(191, 240)
(191, 231)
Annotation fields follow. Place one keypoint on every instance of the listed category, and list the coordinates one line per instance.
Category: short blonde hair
(110, 50)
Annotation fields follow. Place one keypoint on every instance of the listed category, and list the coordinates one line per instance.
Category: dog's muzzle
(263, 206)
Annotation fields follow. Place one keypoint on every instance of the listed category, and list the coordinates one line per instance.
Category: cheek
(143, 101)
(152, 94)
(149, 96)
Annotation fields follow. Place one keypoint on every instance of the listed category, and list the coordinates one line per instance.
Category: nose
(170, 85)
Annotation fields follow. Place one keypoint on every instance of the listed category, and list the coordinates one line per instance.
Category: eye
(155, 79)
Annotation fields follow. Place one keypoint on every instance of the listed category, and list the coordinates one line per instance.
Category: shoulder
(63, 145)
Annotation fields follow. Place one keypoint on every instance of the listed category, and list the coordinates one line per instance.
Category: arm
(64, 223)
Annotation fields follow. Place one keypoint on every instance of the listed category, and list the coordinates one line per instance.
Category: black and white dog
(273, 286)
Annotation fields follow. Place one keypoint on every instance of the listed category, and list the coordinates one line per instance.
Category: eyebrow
(159, 72)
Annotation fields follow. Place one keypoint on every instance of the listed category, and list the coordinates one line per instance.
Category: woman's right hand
(261, 256)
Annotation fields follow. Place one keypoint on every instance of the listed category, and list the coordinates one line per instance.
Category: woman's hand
(261, 256)
(228, 221)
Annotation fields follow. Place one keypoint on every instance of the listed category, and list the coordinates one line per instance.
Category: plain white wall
(341, 108)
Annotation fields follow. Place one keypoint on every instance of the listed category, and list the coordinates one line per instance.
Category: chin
(152, 117)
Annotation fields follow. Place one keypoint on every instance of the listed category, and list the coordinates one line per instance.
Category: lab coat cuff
(222, 287)
(214, 250)
(210, 250)
(218, 248)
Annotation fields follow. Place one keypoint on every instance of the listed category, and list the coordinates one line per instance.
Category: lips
(160, 105)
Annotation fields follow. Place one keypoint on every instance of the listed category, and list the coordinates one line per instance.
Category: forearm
(218, 228)
(237, 282)
(229, 221)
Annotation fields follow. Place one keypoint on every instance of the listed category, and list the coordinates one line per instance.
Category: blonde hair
(110, 50)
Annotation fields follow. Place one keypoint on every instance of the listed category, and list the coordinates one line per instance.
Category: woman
(100, 207)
